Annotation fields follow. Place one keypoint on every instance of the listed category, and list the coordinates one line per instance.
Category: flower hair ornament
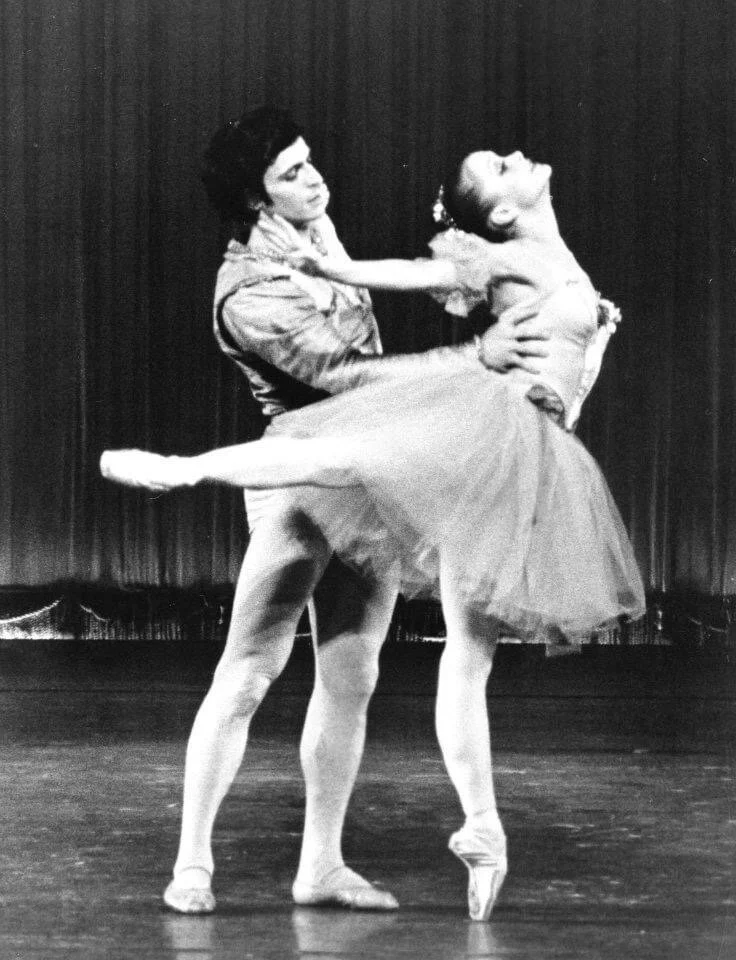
(439, 211)
(609, 315)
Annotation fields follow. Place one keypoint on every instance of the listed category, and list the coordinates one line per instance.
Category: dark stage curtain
(109, 250)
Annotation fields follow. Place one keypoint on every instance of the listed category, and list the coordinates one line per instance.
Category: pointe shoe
(139, 468)
(484, 854)
(343, 888)
(194, 900)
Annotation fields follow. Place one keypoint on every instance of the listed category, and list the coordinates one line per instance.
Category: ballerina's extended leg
(259, 465)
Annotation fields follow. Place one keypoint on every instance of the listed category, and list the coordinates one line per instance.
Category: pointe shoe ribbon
(484, 854)
(351, 892)
(189, 899)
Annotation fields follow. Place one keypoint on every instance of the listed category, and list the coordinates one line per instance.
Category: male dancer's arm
(281, 324)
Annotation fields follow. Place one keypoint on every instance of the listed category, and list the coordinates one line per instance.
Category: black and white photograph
(367, 479)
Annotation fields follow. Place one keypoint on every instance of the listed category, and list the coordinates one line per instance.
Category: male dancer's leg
(350, 617)
(284, 561)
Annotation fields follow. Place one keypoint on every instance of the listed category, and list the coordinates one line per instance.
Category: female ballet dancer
(472, 479)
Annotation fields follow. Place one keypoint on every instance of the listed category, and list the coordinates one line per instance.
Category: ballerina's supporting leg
(259, 465)
(463, 733)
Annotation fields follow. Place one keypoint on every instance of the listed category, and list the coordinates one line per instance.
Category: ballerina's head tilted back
(496, 196)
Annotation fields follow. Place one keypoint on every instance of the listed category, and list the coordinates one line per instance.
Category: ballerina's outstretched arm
(259, 465)
(422, 274)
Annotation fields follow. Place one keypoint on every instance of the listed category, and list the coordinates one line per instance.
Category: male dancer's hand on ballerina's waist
(517, 340)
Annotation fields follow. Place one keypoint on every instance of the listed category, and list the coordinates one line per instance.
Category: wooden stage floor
(615, 774)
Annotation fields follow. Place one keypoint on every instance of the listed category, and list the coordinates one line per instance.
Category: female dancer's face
(512, 179)
(296, 188)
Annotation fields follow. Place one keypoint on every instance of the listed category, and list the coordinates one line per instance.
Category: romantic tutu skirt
(464, 467)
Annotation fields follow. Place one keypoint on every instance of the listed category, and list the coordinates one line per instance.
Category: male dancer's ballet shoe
(140, 468)
(343, 888)
(189, 899)
(484, 854)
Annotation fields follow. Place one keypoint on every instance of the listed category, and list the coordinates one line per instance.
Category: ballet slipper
(184, 899)
(342, 887)
(140, 468)
(484, 854)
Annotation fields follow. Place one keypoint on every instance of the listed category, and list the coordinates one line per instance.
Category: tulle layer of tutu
(464, 470)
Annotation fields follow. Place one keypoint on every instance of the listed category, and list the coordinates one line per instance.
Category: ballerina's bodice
(568, 314)
(559, 295)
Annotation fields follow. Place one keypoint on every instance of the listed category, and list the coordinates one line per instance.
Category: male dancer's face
(296, 188)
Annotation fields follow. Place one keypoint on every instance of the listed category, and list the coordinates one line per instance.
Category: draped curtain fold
(108, 250)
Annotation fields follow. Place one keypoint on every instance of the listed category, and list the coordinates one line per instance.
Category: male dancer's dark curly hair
(236, 159)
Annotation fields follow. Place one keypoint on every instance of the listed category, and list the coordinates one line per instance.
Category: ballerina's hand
(295, 249)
